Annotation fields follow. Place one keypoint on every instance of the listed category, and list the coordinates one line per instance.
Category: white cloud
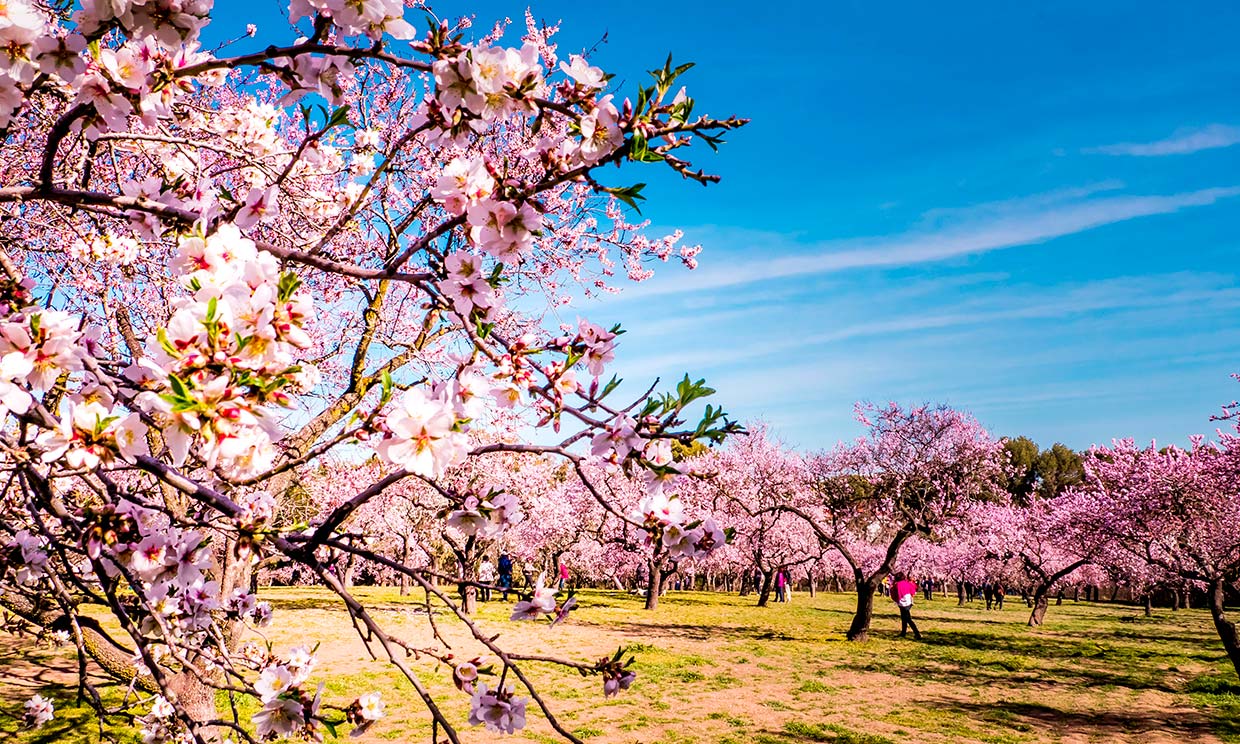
(989, 232)
(1182, 142)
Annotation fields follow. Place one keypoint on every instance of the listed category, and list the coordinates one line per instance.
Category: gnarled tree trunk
(764, 592)
(654, 585)
(1226, 628)
(860, 628)
(1040, 603)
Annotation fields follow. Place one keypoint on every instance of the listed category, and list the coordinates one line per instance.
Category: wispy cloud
(989, 232)
(1182, 142)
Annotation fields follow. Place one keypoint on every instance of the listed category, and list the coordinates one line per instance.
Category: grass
(714, 668)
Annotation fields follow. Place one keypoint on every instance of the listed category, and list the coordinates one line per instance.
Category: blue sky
(1026, 211)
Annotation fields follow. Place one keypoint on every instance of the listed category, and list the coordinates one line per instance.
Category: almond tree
(917, 471)
(1175, 509)
(1042, 541)
(748, 482)
(220, 268)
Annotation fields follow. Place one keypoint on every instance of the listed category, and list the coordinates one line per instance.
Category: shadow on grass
(963, 658)
(1102, 725)
(696, 632)
(408, 604)
(1035, 644)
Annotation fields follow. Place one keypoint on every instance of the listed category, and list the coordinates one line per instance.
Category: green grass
(714, 668)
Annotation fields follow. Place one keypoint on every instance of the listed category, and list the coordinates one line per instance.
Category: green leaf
(339, 117)
(628, 194)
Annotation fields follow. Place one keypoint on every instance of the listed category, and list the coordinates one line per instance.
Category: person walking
(505, 574)
(903, 591)
(999, 592)
(781, 585)
(988, 592)
(928, 588)
(563, 576)
(486, 576)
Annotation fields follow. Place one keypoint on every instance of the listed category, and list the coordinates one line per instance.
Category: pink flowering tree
(221, 270)
(918, 470)
(748, 482)
(1042, 542)
(1175, 509)
(658, 519)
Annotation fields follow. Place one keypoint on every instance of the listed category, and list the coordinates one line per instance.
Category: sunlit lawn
(714, 668)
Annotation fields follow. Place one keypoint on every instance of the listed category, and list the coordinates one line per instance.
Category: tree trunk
(654, 585)
(860, 628)
(468, 592)
(346, 575)
(1226, 628)
(1149, 605)
(404, 560)
(764, 593)
(960, 594)
(1040, 603)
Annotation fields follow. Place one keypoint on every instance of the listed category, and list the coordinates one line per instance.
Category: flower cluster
(500, 710)
(424, 434)
(30, 557)
(364, 711)
(486, 517)
(226, 353)
(112, 249)
(616, 673)
(160, 723)
(91, 433)
(468, 288)
(372, 18)
(483, 83)
(38, 711)
(542, 602)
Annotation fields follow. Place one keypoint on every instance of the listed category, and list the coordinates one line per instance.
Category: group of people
(992, 592)
(781, 583)
(499, 575)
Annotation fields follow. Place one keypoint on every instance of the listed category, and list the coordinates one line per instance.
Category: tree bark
(654, 585)
(960, 594)
(860, 628)
(764, 593)
(1226, 628)
(1040, 603)
(1149, 605)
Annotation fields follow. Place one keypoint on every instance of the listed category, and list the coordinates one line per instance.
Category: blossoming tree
(218, 270)
(1175, 509)
(917, 470)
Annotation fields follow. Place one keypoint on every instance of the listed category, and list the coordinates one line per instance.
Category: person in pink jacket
(903, 591)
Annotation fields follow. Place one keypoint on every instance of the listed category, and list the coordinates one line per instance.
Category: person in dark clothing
(999, 592)
(928, 587)
(505, 574)
(989, 593)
